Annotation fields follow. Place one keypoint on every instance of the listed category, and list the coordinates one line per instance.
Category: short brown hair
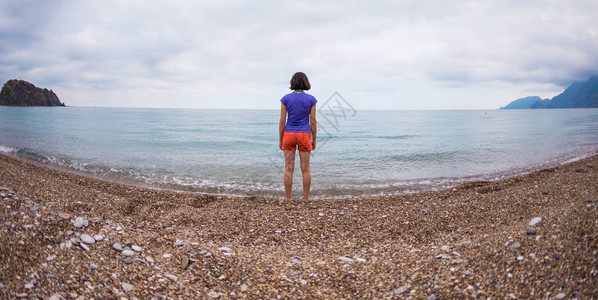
(299, 81)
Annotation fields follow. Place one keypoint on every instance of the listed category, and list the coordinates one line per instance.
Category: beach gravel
(476, 240)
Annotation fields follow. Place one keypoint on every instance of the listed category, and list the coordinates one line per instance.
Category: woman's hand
(280, 145)
(313, 144)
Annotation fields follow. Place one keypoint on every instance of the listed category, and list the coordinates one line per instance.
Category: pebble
(213, 294)
(64, 216)
(516, 246)
(535, 221)
(78, 222)
(560, 296)
(224, 249)
(84, 246)
(167, 255)
(185, 262)
(127, 287)
(520, 257)
(117, 247)
(136, 248)
(400, 290)
(2, 285)
(244, 287)
(303, 282)
(87, 239)
(129, 260)
(149, 259)
(98, 237)
(431, 297)
(457, 261)
(33, 208)
(93, 266)
(443, 256)
(359, 259)
(321, 263)
(29, 286)
(51, 258)
(56, 297)
(22, 295)
(530, 232)
(128, 253)
(463, 243)
(172, 277)
(345, 259)
(180, 243)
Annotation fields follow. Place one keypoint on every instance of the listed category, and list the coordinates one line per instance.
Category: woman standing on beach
(298, 131)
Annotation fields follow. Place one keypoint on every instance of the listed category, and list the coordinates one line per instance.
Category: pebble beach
(68, 236)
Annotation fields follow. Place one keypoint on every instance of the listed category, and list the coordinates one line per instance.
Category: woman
(298, 131)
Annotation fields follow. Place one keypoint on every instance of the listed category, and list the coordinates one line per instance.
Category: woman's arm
(282, 124)
(314, 126)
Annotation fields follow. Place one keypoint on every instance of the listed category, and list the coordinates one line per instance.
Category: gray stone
(345, 259)
(213, 294)
(85, 223)
(224, 249)
(463, 243)
(129, 260)
(33, 208)
(516, 246)
(88, 239)
(443, 256)
(431, 297)
(560, 296)
(400, 290)
(149, 259)
(457, 261)
(98, 237)
(93, 266)
(2, 286)
(128, 253)
(56, 297)
(127, 287)
(172, 277)
(84, 246)
(136, 248)
(117, 247)
(78, 222)
(321, 263)
(51, 258)
(22, 295)
(180, 243)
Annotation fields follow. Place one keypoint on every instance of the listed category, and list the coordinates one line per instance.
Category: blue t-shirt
(298, 109)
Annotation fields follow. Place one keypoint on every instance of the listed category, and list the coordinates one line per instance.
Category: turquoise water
(359, 152)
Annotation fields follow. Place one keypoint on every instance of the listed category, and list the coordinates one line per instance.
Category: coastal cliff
(22, 93)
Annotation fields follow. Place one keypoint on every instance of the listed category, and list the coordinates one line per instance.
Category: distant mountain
(523, 103)
(577, 95)
(22, 93)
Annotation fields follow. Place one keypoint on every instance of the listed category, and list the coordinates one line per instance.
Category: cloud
(237, 53)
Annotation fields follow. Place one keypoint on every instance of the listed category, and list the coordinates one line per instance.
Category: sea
(359, 152)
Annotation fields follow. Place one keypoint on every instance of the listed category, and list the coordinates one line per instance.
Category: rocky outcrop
(22, 93)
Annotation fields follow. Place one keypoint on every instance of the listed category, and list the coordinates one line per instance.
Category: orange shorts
(294, 140)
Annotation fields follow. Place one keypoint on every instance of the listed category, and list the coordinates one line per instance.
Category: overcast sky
(242, 54)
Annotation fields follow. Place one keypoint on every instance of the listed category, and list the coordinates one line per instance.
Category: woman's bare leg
(289, 167)
(304, 157)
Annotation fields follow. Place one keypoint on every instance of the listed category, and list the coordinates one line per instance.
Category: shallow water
(358, 153)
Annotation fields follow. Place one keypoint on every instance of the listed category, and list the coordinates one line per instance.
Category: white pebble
(51, 258)
(535, 221)
(225, 249)
(128, 253)
(172, 277)
(345, 259)
(136, 248)
(166, 255)
(127, 287)
(98, 237)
